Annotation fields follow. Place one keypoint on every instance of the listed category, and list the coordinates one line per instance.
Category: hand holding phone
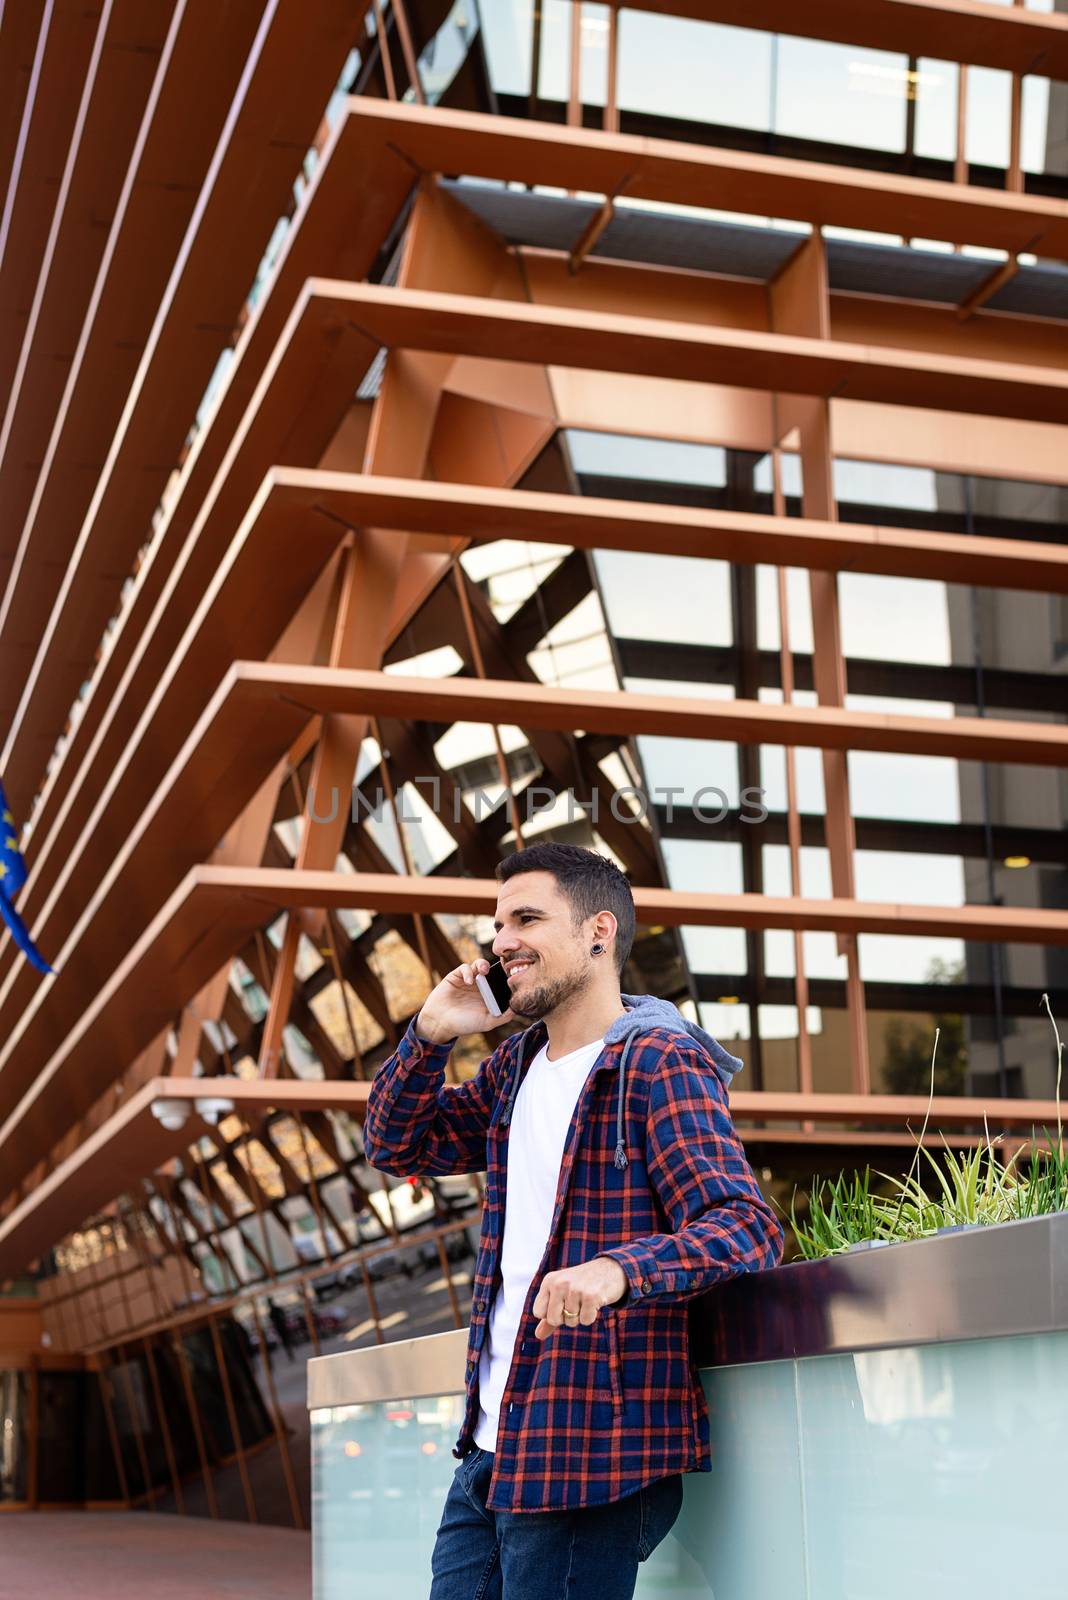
(465, 1001)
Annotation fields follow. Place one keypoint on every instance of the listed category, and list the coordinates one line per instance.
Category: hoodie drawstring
(621, 1154)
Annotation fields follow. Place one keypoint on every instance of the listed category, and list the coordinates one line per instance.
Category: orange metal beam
(376, 153)
(697, 175)
(480, 515)
(132, 1144)
(110, 95)
(884, 1110)
(43, 64)
(201, 62)
(975, 31)
(275, 557)
(216, 910)
(353, 199)
(325, 691)
(286, 81)
(411, 319)
(259, 709)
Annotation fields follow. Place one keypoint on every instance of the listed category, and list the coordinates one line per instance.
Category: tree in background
(907, 1062)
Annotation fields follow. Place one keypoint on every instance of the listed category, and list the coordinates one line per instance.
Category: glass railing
(882, 1423)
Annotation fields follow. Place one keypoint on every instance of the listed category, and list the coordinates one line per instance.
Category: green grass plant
(970, 1188)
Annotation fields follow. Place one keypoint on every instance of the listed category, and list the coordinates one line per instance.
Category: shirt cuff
(641, 1269)
(413, 1049)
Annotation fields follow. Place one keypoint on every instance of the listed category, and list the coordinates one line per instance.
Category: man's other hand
(583, 1289)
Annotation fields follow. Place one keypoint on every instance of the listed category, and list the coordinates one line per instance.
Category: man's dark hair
(590, 881)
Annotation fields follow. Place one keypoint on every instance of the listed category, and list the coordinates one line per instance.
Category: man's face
(544, 953)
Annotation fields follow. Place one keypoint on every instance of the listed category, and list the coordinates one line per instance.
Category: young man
(616, 1191)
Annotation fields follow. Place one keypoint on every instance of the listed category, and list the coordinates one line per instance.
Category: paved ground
(140, 1555)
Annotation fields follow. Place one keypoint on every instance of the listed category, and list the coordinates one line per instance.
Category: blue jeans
(588, 1554)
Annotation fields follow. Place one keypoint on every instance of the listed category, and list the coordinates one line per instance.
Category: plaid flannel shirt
(594, 1412)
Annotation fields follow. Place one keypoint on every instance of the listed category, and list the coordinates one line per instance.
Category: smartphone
(494, 989)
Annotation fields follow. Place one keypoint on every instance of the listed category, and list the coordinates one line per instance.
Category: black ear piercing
(597, 950)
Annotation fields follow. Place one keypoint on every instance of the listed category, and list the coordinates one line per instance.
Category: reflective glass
(841, 93)
(507, 35)
(988, 114)
(694, 71)
(934, 86)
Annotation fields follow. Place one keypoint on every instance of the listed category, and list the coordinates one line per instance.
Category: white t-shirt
(541, 1116)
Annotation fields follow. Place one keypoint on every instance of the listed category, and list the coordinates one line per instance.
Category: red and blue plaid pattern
(594, 1412)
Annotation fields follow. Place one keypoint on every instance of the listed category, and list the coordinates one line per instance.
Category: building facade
(431, 430)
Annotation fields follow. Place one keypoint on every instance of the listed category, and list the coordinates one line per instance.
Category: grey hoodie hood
(643, 1012)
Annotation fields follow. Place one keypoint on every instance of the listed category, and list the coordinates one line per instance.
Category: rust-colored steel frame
(262, 707)
(45, 53)
(377, 150)
(215, 910)
(133, 1143)
(480, 515)
(471, 325)
(441, 327)
(266, 126)
(974, 31)
(456, 322)
(106, 106)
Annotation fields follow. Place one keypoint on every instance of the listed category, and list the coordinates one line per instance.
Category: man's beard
(539, 999)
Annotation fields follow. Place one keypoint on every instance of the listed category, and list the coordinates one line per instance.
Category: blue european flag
(12, 877)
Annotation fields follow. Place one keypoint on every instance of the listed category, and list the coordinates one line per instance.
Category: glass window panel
(693, 689)
(894, 619)
(594, 43)
(1041, 150)
(789, 473)
(989, 106)
(908, 788)
(778, 1036)
(900, 958)
(704, 866)
(715, 950)
(821, 956)
(777, 1022)
(727, 1023)
(815, 873)
(936, 109)
(685, 599)
(779, 952)
(799, 609)
(841, 93)
(554, 69)
(696, 71)
(808, 769)
(877, 483)
(619, 455)
(912, 879)
(899, 705)
(705, 771)
(775, 861)
(13, 1423)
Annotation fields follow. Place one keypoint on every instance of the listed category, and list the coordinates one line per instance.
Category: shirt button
(647, 1287)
